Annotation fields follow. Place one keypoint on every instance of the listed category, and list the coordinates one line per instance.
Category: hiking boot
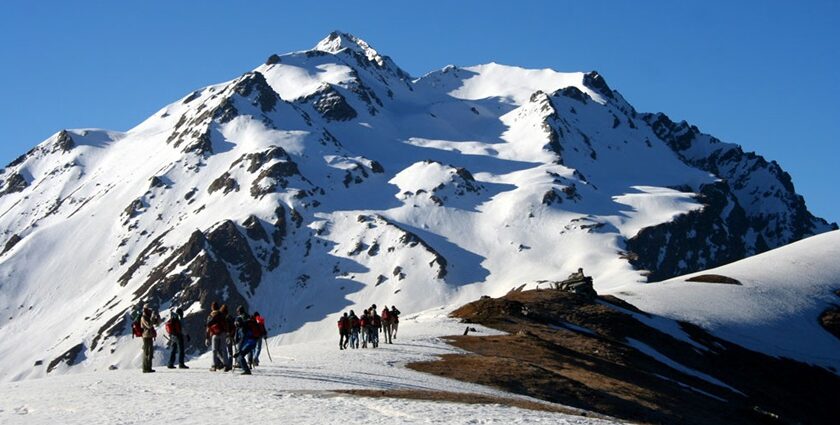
(256, 362)
(170, 367)
(183, 366)
(228, 369)
(149, 371)
(247, 372)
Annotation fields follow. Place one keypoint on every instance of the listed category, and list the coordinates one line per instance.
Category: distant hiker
(395, 321)
(229, 334)
(375, 327)
(254, 360)
(355, 326)
(343, 331)
(216, 326)
(386, 324)
(247, 330)
(176, 338)
(148, 321)
(364, 326)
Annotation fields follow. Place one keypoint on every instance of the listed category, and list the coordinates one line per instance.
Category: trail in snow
(296, 387)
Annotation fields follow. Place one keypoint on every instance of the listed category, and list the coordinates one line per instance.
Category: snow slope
(330, 179)
(774, 311)
(296, 387)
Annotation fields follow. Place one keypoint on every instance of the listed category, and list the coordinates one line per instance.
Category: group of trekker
(222, 334)
(244, 331)
(353, 329)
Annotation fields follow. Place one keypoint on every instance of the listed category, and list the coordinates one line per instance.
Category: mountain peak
(338, 41)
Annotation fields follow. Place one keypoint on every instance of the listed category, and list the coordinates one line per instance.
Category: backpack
(385, 314)
(354, 322)
(377, 322)
(261, 327)
(251, 329)
(136, 329)
(173, 327)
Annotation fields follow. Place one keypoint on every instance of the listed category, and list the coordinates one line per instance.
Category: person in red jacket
(263, 334)
(343, 331)
(386, 324)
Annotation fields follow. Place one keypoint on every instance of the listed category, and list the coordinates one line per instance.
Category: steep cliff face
(328, 178)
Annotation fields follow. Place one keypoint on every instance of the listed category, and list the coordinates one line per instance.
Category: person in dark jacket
(395, 321)
(343, 331)
(355, 326)
(176, 338)
(246, 330)
(254, 360)
(229, 336)
(216, 325)
(148, 321)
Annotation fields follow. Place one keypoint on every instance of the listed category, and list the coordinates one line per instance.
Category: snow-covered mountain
(330, 178)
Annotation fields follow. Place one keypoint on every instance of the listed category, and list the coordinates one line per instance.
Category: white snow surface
(297, 386)
(774, 311)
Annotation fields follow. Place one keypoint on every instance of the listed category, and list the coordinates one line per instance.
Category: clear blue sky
(763, 74)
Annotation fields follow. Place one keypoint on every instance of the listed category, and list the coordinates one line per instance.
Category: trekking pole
(267, 351)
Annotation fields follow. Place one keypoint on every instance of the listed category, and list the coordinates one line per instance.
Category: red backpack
(385, 314)
(136, 329)
(173, 327)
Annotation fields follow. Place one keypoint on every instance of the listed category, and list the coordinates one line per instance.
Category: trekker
(395, 321)
(364, 324)
(254, 360)
(176, 338)
(386, 324)
(343, 331)
(148, 321)
(216, 325)
(375, 327)
(228, 339)
(246, 336)
(355, 325)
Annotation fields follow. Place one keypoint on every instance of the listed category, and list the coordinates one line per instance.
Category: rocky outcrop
(225, 183)
(64, 142)
(699, 240)
(69, 357)
(13, 184)
(254, 229)
(275, 176)
(330, 104)
(232, 247)
(14, 240)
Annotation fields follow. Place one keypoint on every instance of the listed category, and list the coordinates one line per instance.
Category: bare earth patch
(586, 354)
(714, 278)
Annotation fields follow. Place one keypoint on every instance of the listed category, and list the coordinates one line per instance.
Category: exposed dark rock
(64, 142)
(698, 240)
(596, 82)
(550, 198)
(411, 240)
(738, 170)
(225, 183)
(11, 243)
(273, 177)
(134, 209)
(253, 83)
(573, 92)
(155, 245)
(373, 250)
(156, 181)
(258, 159)
(254, 229)
(14, 183)
(272, 60)
(331, 104)
(229, 244)
(70, 357)
(376, 167)
(830, 320)
(296, 218)
(714, 278)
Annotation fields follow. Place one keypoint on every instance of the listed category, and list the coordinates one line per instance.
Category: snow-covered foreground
(774, 311)
(296, 387)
